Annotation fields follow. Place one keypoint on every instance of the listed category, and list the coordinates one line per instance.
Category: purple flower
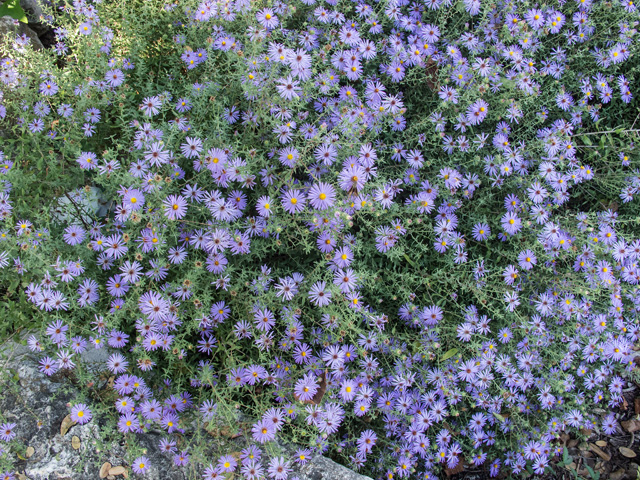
(140, 465)
(263, 431)
(279, 468)
(477, 112)
(181, 459)
(85, 28)
(151, 106)
(264, 206)
(264, 319)
(191, 148)
(306, 387)
(81, 414)
(293, 201)
(352, 178)
(48, 366)
(117, 363)
(288, 88)
(88, 160)
(481, 232)
(319, 295)
(227, 463)
(7, 432)
(267, 18)
(511, 223)
(175, 207)
(321, 196)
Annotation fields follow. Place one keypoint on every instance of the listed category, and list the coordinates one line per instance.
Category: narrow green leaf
(448, 354)
(499, 417)
(586, 140)
(411, 262)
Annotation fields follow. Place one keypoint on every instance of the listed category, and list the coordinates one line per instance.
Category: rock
(53, 454)
(10, 28)
(35, 16)
(321, 468)
(39, 425)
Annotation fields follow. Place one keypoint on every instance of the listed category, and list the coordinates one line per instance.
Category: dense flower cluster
(263, 205)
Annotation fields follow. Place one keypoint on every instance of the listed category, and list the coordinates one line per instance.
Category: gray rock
(38, 404)
(10, 28)
(321, 468)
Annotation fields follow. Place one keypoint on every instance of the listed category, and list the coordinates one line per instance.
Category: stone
(321, 468)
(34, 14)
(10, 28)
(53, 455)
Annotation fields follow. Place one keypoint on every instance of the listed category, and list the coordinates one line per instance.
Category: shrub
(402, 234)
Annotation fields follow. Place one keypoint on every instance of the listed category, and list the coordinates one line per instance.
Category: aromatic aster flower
(175, 207)
(81, 414)
(321, 196)
(267, 18)
(7, 432)
(88, 160)
(319, 295)
(293, 201)
(141, 465)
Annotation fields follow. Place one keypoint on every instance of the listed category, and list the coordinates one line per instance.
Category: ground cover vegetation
(401, 233)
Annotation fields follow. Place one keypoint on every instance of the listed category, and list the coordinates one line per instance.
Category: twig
(75, 205)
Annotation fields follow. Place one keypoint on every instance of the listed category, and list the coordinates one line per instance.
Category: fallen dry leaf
(453, 471)
(636, 405)
(598, 451)
(601, 443)
(75, 442)
(30, 451)
(632, 425)
(66, 424)
(627, 452)
(104, 469)
(115, 471)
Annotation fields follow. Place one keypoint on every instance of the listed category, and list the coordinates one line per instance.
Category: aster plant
(404, 234)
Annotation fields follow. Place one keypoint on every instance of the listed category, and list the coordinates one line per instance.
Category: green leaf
(594, 475)
(448, 354)
(13, 9)
(499, 417)
(586, 140)
(411, 262)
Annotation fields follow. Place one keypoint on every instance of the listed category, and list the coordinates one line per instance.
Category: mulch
(609, 457)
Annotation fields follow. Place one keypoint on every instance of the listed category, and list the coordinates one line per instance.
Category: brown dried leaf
(104, 469)
(30, 451)
(636, 405)
(453, 471)
(627, 452)
(75, 442)
(598, 451)
(601, 443)
(115, 471)
(66, 424)
(632, 425)
(431, 78)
